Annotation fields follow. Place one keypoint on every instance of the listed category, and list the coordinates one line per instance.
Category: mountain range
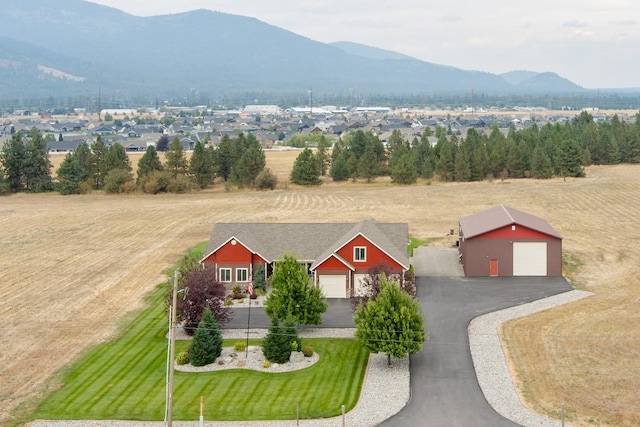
(75, 48)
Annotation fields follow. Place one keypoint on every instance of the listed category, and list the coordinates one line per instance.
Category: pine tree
(176, 160)
(445, 165)
(201, 166)
(206, 345)
(37, 166)
(339, 168)
(392, 323)
(117, 158)
(259, 278)
(540, 164)
(462, 170)
(306, 169)
(368, 166)
(403, 168)
(70, 175)
(570, 159)
(277, 344)
(322, 155)
(293, 294)
(98, 167)
(148, 163)
(13, 157)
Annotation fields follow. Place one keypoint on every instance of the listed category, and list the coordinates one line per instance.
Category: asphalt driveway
(444, 388)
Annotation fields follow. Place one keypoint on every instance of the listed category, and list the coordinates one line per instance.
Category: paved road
(444, 388)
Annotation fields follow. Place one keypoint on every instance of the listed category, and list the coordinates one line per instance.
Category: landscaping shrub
(259, 280)
(206, 346)
(236, 293)
(266, 364)
(240, 346)
(307, 351)
(278, 343)
(183, 358)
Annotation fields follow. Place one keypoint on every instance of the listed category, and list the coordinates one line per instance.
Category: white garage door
(357, 283)
(529, 258)
(333, 285)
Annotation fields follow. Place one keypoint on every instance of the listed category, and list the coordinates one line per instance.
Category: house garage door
(333, 285)
(529, 258)
(357, 283)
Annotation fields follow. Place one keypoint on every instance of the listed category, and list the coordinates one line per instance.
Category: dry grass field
(73, 267)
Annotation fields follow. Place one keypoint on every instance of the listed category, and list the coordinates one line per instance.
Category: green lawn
(125, 379)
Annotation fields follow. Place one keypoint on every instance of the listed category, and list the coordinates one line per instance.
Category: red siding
(373, 254)
(519, 233)
(332, 263)
(233, 254)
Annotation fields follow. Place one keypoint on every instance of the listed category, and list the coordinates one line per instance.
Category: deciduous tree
(199, 289)
(392, 323)
(293, 294)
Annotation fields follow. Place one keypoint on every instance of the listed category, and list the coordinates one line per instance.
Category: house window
(241, 274)
(360, 253)
(225, 274)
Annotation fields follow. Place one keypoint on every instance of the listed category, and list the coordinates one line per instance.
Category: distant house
(503, 241)
(337, 256)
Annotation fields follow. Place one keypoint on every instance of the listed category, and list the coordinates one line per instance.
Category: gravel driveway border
(490, 363)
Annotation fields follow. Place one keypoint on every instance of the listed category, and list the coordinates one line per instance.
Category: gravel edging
(372, 408)
(490, 362)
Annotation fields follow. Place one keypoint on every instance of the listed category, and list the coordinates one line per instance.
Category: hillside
(201, 54)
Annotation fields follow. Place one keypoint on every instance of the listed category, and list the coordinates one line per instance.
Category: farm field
(74, 268)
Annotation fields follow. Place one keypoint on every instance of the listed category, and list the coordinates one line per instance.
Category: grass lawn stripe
(125, 379)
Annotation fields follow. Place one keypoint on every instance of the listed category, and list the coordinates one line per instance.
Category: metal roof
(501, 216)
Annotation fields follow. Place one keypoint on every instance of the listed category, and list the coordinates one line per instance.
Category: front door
(493, 267)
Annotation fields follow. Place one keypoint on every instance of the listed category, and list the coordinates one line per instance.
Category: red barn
(337, 256)
(503, 241)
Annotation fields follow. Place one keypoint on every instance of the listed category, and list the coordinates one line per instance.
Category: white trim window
(225, 274)
(242, 274)
(359, 253)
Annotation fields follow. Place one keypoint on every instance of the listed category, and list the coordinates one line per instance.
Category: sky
(593, 43)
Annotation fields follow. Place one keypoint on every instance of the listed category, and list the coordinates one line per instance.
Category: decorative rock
(296, 357)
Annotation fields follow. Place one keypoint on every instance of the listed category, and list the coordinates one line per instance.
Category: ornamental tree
(293, 294)
(199, 290)
(392, 323)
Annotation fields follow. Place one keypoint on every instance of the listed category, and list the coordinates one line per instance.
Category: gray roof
(501, 216)
(311, 242)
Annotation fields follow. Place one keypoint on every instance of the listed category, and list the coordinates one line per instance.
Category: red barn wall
(498, 244)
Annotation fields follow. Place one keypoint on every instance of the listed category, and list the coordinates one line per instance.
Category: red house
(503, 241)
(337, 256)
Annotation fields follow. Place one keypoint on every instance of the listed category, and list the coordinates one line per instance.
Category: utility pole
(172, 352)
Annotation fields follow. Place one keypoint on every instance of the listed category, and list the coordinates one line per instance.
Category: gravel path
(490, 363)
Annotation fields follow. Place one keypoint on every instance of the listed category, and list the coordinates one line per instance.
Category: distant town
(273, 127)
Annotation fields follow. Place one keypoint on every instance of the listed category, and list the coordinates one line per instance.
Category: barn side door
(493, 267)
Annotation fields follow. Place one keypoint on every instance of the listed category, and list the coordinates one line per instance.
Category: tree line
(540, 152)
(26, 167)
(560, 150)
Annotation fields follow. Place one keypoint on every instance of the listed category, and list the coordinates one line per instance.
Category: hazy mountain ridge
(213, 52)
